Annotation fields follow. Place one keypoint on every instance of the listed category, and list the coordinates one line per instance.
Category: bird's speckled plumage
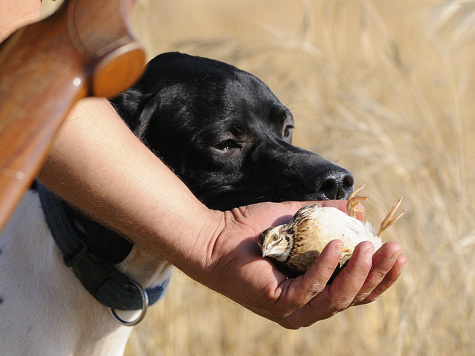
(299, 243)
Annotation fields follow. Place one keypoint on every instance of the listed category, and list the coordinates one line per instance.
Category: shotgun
(83, 49)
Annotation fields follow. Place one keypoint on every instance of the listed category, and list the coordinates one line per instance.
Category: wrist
(198, 254)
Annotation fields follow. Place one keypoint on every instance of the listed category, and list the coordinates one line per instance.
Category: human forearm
(98, 165)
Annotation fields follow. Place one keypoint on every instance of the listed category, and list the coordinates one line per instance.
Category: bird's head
(275, 243)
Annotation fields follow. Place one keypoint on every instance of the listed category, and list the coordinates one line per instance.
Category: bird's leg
(389, 220)
(354, 200)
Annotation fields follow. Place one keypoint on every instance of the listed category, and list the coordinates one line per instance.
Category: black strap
(96, 272)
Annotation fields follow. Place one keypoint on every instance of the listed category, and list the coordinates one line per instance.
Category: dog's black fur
(225, 134)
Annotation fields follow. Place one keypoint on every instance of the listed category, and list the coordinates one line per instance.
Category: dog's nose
(334, 185)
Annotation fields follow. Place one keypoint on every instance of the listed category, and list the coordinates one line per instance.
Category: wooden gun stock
(83, 49)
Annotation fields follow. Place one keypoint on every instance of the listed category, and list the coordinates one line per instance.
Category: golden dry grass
(385, 89)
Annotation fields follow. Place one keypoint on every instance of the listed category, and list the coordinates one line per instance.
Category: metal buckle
(143, 312)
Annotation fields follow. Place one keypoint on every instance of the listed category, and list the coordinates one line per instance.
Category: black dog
(225, 134)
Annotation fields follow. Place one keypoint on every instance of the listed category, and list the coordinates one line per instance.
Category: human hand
(236, 269)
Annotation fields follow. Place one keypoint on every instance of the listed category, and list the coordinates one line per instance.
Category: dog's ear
(137, 105)
(132, 106)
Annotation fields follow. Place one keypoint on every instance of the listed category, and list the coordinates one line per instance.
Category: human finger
(339, 295)
(304, 288)
(383, 262)
(342, 205)
(389, 279)
(349, 282)
(302, 291)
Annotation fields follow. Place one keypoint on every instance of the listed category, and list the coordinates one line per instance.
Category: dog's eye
(226, 145)
(287, 134)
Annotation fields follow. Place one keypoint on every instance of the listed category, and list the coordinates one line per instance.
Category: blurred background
(383, 88)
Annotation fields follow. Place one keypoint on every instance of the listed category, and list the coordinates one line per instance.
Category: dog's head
(225, 134)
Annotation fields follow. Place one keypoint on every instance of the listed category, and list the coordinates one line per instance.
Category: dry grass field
(385, 89)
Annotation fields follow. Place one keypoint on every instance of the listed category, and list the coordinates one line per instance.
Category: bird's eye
(275, 237)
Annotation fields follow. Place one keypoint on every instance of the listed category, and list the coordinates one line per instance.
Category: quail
(298, 244)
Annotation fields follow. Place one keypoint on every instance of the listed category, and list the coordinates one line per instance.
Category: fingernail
(395, 255)
(338, 248)
(369, 255)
